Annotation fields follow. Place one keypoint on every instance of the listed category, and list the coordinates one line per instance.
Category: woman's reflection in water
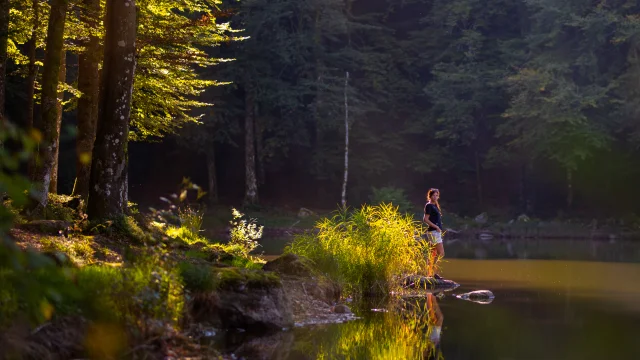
(434, 327)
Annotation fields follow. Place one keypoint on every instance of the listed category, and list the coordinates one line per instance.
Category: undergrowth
(366, 250)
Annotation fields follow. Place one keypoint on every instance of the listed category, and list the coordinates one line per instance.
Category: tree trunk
(251, 192)
(211, 169)
(4, 38)
(346, 140)
(49, 124)
(32, 67)
(89, 85)
(259, 129)
(62, 76)
(108, 187)
(479, 180)
(569, 188)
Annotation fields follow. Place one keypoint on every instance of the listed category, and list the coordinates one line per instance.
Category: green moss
(202, 278)
(197, 278)
(78, 248)
(253, 279)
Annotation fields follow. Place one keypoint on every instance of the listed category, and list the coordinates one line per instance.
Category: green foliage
(202, 278)
(146, 290)
(32, 285)
(244, 234)
(391, 195)
(170, 50)
(56, 210)
(129, 227)
(78, 248)
(366, 250)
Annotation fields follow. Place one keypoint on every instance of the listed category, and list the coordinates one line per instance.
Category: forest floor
(135, 253)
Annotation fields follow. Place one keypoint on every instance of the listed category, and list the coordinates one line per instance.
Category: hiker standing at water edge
(433, 218)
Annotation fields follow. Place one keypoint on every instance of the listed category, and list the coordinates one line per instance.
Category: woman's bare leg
(436, 254)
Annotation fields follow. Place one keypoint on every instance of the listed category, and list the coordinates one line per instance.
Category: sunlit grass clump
(366, 250)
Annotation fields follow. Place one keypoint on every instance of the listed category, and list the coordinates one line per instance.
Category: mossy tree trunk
(4, 37)
(62, 75)
(109, 165)
(50, 109)
(89, 85)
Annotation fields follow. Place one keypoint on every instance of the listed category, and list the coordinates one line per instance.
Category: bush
(244, 234)
(149, 291)
(367, 249)
(391, 195)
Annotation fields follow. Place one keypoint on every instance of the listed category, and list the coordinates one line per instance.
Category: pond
(583, 304)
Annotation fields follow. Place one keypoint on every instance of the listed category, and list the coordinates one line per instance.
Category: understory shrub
(146, 292)
(244, 234)
(367, 249)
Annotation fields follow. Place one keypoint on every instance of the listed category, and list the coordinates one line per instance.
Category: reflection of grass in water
(402, 333)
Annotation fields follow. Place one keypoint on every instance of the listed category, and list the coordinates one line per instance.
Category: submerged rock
(423, 282)
(479, 296)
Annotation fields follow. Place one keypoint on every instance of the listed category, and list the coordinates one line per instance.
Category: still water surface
(543, 309)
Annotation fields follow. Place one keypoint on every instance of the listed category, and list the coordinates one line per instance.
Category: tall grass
(366, 250)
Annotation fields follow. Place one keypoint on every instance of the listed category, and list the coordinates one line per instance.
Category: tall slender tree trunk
(32, 67)
(259, 129)
(4, 43)
(108, 193)
(251, 191)
(211, 170)
(479, 180)
(569, 188)
(89, 85)
(346, 140)
(62, 76)
(49, 124)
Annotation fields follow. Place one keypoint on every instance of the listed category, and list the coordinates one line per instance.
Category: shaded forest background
(507, 106)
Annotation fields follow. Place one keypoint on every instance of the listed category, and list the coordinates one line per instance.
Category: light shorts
(435, 237)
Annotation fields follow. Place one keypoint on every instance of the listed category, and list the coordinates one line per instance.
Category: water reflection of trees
(405, 329)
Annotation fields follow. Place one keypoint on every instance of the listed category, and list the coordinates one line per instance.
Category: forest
(125, 124)
(506, 105)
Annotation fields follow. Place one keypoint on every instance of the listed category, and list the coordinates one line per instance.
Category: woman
(433, 218)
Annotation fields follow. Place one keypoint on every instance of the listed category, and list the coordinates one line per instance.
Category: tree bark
(108, 187)
(251, 191)
(211, 170)
(4, 43)
(569, 188)
(89, 85)
(346, 140)
(62, 76)
(259, 130)
(32, 67)
(49, 124)
(479, 180)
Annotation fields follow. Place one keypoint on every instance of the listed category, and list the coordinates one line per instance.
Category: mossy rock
(50, 227)
(292, 265)
(227, 278)
(217, 253)
(204, 278)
